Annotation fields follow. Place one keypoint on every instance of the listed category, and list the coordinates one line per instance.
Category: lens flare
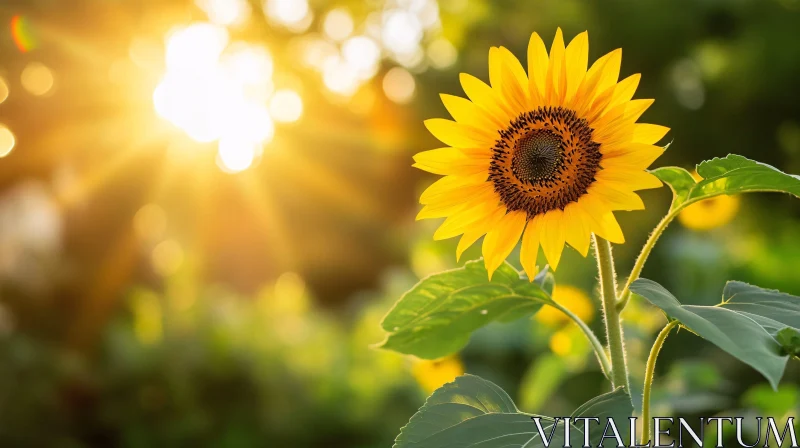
(22, 34)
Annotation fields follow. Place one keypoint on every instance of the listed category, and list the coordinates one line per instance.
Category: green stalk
(648, 379)
(608, 287)
(640, 261)
(605, 364)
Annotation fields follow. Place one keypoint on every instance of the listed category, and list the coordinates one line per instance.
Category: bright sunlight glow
(218, 92)
(286, 106)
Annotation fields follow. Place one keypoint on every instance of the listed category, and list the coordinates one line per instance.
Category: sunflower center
(536, 156)
(545, 160)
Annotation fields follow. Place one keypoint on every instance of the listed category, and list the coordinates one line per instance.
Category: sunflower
(544, 157)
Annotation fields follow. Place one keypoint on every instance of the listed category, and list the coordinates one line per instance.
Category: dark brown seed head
(544, 160)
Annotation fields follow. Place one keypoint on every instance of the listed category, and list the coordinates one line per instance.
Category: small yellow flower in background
(710, 213)
(544, 156)
(574, 299)
(431, 375)
(571, 344)
(561, 343)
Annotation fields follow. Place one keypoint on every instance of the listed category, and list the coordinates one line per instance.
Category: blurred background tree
(206, 207)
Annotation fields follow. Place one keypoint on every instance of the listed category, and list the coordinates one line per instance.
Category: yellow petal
(608, 228)
(635, 108)
(447, 161)
(466, 112)
(630, 155)
(618, 124)
(649, 133)
(459, 135)
(556, 88)
(552, 237)
(577, 232)
(628, 179)
(610, 72)
(500, 241)
(601, 219)
(614, 198)
(467, 239)
(455, 203)
(449, 185)
(514, 81)
(625, 89)
(438, 211)
(576, 59)
(483, 96)
(464, 220)
(588, 89)
(529, 248)
(537, 69)
(451, 204)
(606, 86)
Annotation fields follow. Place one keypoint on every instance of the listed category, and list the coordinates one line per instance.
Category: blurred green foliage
(185, 362)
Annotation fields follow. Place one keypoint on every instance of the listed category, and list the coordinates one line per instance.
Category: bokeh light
(402, 32)
(4, 91)
(7, 141)
(338, 24)
(225, 12)
(442, 54)
(399, 85)
(167, 257)
(37, 79)
(287, 12)
(286, 106)
(196, 47)
(363, 55)
(150, 222)
(236, 153)
(341, 78)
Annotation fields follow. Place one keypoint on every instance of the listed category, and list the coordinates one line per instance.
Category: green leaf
(730, 175)
(438, 315)
(789, 338)
(473, 412)
(615, 405)
(746, 324)
(679, 180)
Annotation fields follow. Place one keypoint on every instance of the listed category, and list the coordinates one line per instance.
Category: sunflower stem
(608, 288)
(605, 364)
(640, 261)
(648, 379)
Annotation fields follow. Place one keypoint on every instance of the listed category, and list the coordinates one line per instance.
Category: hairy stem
(605, 364)
(648, 379)
(608, 287)
(640, 261)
